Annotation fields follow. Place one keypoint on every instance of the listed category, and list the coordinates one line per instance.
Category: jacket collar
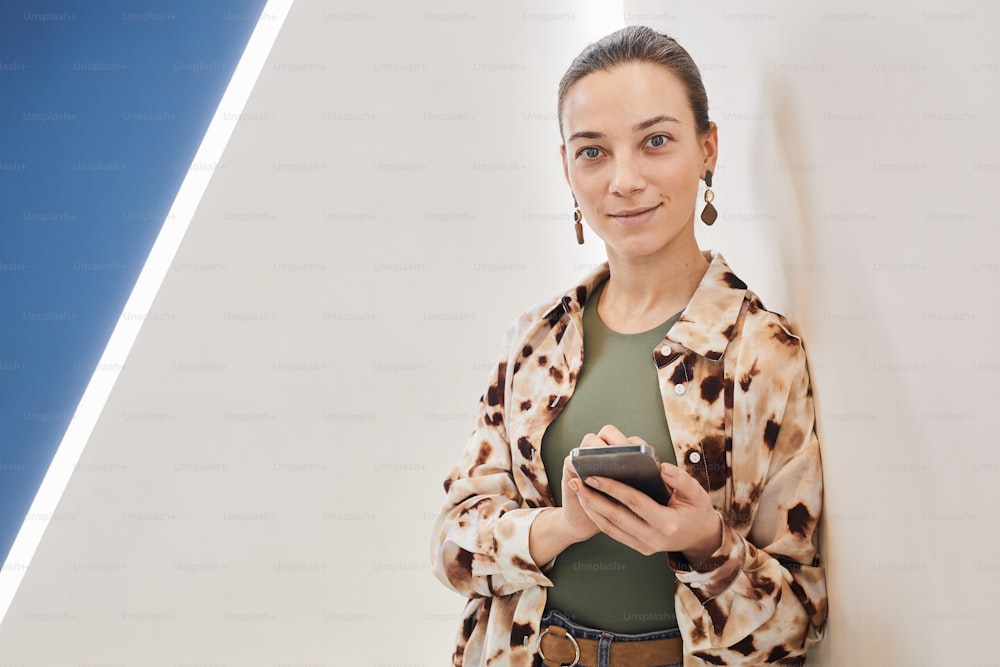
(706, 323)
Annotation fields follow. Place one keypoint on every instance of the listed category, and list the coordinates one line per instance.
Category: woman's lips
(635, 216)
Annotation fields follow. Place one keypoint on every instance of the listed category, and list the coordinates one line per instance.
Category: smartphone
(635, 465)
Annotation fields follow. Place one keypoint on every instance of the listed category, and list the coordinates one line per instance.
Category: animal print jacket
(738, 402)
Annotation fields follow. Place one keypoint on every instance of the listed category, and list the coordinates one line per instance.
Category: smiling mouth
(633, 214)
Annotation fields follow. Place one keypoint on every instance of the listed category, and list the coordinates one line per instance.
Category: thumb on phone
(682, 485)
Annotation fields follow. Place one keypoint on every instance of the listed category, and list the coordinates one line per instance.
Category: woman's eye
(658, 140)
(591, 152)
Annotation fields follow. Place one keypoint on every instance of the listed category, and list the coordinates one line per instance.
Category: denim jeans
(554, 617)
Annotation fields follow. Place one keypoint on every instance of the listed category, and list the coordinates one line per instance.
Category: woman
(556, 572)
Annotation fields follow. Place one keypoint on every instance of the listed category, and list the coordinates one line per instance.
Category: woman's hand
(689, 524)
(557, 528)
(575, 515)
(577, 522)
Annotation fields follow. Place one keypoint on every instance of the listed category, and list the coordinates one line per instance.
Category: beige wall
(260, 486)
(857, 143)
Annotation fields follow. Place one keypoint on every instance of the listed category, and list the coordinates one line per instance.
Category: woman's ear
(562, 153)
(709, 146)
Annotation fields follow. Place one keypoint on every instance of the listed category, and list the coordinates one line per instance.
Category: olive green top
(602, 583)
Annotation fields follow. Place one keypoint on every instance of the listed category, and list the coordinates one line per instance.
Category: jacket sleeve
(761, 598)
(480, 537)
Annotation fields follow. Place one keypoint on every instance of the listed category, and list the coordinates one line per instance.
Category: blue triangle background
(102, 107)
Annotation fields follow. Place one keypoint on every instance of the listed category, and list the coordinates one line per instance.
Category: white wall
(260, 487)
(858, 150)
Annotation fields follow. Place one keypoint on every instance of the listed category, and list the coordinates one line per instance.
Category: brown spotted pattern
(743, 425)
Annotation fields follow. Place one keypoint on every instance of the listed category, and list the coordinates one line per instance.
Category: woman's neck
(643, 292)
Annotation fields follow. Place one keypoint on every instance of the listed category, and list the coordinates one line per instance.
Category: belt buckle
(576, 647)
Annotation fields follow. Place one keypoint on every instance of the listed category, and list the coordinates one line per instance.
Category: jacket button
(665, 350)
(678, 389)
(694, 457)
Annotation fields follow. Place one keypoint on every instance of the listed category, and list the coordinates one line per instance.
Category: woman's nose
(627, 178)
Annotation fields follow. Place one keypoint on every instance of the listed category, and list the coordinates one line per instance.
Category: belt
(557, 648)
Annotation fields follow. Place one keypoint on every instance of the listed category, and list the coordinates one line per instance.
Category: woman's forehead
(624, 96)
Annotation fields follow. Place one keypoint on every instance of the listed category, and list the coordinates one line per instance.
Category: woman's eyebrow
(662, 118)
(638, 127)
(585, 135)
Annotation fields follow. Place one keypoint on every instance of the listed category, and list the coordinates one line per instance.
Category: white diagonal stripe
(140, 300)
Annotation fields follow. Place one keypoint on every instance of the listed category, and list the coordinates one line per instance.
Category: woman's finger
(683, 486)
(611, 435)
(636, 501)
(593, 440)
(631, 512)
(619, 522)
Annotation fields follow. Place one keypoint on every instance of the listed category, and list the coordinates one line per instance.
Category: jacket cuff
(513, 553)
(716, 573)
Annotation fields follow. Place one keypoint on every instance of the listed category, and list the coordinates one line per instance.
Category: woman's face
(633, 157)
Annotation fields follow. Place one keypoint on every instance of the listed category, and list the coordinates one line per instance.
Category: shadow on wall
(820, 275)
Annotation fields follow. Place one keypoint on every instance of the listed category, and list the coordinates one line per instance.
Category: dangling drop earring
(578, 221)
(709, 214)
